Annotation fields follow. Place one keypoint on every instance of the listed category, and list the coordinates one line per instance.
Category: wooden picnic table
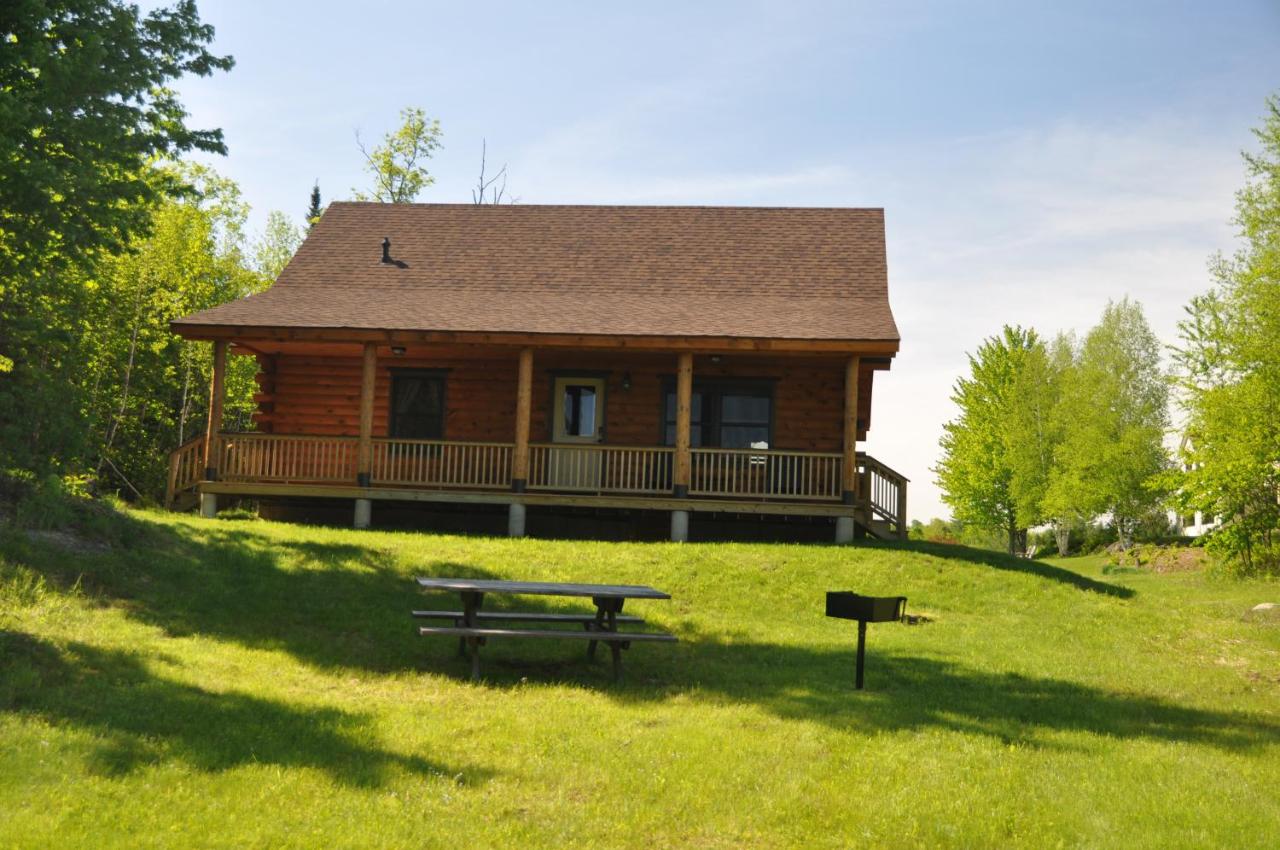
(600, 627)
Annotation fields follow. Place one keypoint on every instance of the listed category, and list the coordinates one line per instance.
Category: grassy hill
(172, 682)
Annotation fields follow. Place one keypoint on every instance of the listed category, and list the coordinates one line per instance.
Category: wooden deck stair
(185, 472)
(880, 529)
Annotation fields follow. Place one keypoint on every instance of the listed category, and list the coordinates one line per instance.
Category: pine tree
(314, 211)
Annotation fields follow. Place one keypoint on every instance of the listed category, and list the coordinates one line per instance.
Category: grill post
(862, 653)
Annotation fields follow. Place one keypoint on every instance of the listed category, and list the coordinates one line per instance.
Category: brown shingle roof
(750, 272)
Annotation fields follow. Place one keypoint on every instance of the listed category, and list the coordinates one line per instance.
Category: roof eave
(885, 346)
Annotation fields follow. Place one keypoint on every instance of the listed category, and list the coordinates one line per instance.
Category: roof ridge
(524, 206)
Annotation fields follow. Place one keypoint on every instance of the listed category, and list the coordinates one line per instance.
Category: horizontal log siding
(320, 395)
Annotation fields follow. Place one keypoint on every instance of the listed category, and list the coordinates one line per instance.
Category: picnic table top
(543, 588)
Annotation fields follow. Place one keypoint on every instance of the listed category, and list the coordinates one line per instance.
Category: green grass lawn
(238, 683)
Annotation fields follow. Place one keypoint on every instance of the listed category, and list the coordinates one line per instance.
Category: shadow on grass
(913, 693)
(331, 605)
(345, 606)
(1001, 561)
(138, 718)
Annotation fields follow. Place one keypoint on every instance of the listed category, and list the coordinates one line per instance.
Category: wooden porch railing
(286, 458)
(643, 470)
(186, 468)
(765, 474)
(598, 468)
(884, 492)
(438, 463)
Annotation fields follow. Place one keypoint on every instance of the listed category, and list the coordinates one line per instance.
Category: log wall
(319, 394)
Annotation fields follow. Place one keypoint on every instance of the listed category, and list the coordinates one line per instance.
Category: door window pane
(579, 411)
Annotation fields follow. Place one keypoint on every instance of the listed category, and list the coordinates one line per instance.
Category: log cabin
(528, 359)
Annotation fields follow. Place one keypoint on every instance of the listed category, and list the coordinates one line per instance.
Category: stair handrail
(183, 472)
(894, 514)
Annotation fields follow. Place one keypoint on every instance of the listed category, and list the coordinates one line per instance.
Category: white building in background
(1197, 523)
(1193, 525)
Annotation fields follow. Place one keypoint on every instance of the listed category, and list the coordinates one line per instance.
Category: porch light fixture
(397, 350)
(715, 358)
(626, 380)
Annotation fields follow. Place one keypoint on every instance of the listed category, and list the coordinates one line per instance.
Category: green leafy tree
(976, 472)
(1115, 414)
(85, 109)
(314, 209)
(1229, 371)
(398, 166)
(277, 245)
(148, 388)
(1035, 432)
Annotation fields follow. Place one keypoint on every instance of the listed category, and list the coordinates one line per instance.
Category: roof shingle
(750, 272)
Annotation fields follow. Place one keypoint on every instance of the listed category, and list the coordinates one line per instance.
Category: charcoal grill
(847, 605)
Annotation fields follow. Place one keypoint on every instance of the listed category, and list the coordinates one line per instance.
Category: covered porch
(529, 423)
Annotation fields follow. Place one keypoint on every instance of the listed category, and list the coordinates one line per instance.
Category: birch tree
(1229, 369)
(1115, 413)
(976, 471)
(398, 166)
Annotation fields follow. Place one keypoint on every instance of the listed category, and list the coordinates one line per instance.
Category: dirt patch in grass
(1158, 559)
(69, 540)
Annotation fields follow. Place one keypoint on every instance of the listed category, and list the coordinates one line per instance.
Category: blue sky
(1033, 160)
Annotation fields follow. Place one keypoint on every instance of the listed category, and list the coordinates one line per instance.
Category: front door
(578, 419)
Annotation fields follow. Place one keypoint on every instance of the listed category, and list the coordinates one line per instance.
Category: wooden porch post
(849, 466)
(524, 406)
(520, 453)
(684, 408)
(902, 509)
(364, 449)
(849, 478)
(681, 477)
(217, 393)
(368, 381)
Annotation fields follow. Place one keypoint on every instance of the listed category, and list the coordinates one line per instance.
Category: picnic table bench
(474, 627)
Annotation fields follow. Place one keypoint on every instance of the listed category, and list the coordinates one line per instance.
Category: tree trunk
(124, 395)
(182, 411)
(1062, 536)
(1124, 531)
(1017, 540)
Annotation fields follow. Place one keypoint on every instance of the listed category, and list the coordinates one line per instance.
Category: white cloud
(1040, 228)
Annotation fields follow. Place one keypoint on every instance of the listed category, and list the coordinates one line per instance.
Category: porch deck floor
(499, 497)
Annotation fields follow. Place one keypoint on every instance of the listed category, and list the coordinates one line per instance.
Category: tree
(146, 388)
(976, 471)
(277, 245)
(398, 165)
(1115, 414)
(1034, 437)
(314, 209)
(490, 190)
(85, 109)
(1229, 372)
